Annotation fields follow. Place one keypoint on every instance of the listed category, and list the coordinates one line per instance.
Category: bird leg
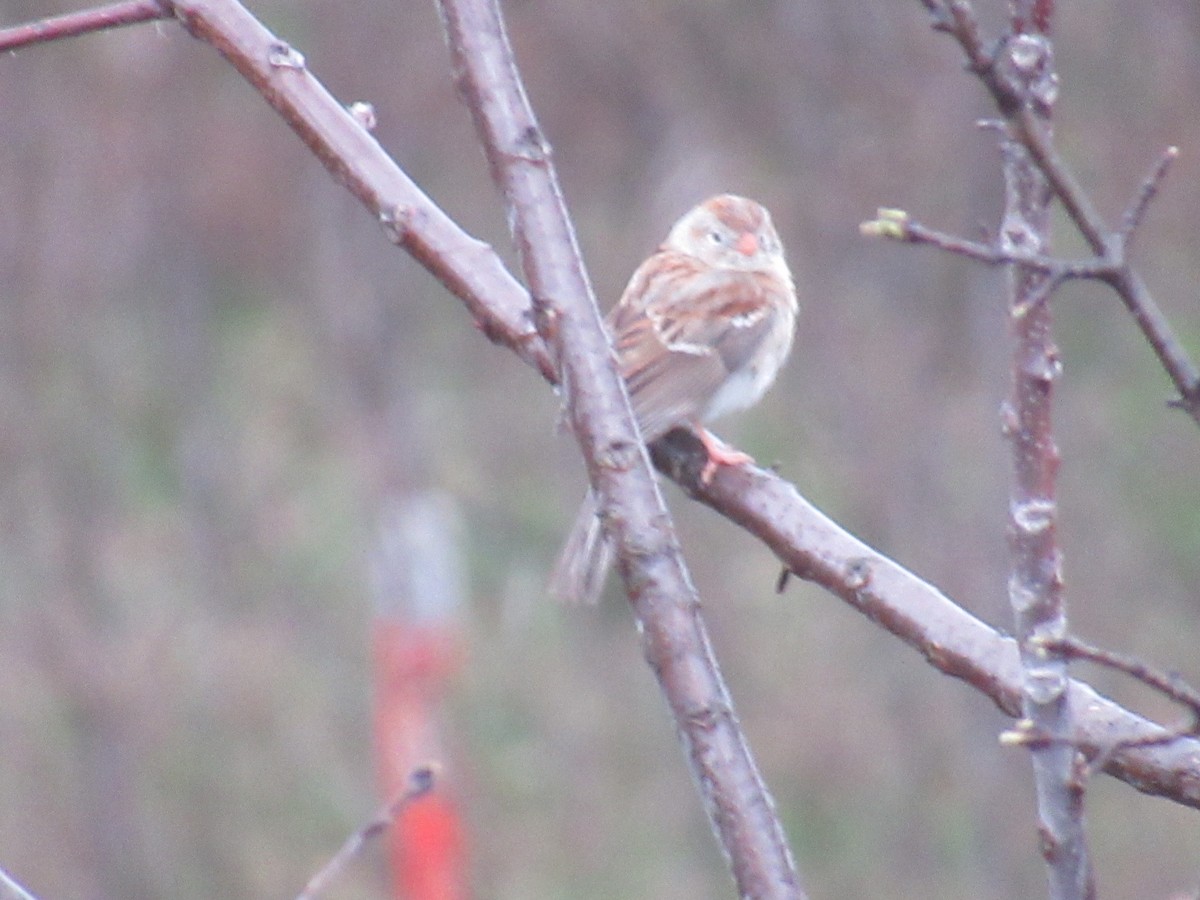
(719, 454)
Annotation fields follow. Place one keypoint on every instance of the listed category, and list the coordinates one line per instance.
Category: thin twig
(896, 224)
(82, 22)
(674, 638)
(957, 18)
(420, 782)
(1023, 733)
(1146, 193)
(1168, 684)
(1037, 294)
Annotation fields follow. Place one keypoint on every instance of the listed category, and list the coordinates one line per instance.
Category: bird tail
(586, 557)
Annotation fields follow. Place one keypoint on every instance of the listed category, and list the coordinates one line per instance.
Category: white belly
(746, 386)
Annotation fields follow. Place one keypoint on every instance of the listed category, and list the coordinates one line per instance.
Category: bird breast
(746, 385)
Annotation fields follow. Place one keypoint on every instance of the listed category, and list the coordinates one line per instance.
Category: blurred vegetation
(214, 372)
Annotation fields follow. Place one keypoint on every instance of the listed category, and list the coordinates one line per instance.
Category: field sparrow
(701, 330)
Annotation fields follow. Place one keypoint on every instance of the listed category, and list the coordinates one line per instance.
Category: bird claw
(719, 454)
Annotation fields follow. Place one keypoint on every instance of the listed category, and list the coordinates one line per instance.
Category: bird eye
(716, 237)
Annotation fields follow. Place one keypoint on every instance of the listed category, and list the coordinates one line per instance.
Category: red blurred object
(413, 664)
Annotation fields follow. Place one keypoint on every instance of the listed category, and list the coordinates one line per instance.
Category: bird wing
(682, 328)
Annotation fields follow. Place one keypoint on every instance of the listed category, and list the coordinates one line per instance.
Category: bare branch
(1149, 189)
(82, 22)
(1025, 733)
(1035, 584)
(675, 641)
(957, 18)
(10, 890)
(815, 548)
(420, 782)
(1169, 685)
(896, 224)
(469, 268)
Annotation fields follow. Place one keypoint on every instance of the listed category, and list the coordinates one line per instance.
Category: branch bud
(888, 223)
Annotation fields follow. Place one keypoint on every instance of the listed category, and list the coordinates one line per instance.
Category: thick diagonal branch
(953, 641)
(469, 268)
(675, 640)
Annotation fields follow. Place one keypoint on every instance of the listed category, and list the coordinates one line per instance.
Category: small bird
(702, 329)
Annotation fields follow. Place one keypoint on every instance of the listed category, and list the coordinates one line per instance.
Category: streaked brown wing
(665, 387)
(680, 329)
(734, 315)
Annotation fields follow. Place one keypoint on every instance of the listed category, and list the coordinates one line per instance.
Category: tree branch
(956, 643)
(1035, 585)
(957, 18)
(420, 783)
(467, 267)
(10, 890)
(1146, 193)
(897, 225)
(1169, 685)
(675, 641)
(82, 22)
(1026, 734)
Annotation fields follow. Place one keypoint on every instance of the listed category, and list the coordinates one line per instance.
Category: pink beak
(746, 244)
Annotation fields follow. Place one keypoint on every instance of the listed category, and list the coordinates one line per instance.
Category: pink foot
(719, 454)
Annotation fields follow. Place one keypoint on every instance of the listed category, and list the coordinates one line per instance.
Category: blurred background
(217, 380)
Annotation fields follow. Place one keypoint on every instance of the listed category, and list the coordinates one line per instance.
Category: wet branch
(1170, 685)
(469, 268)
(898, 225)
